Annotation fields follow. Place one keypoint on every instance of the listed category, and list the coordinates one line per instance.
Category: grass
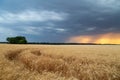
(43, 62)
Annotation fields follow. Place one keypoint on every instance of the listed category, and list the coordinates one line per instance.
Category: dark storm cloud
(56, 20)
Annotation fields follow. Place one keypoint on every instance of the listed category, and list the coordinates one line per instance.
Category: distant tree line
(49, 43)
(17, 40)
(22, 40)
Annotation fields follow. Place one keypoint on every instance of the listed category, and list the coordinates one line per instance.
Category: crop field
(59, 62)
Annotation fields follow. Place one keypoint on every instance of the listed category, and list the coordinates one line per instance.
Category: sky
(78, 21)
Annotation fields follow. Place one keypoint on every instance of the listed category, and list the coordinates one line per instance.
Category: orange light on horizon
(108, 38)
(80, 39)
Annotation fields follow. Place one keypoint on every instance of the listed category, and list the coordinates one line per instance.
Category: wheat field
(63, 62)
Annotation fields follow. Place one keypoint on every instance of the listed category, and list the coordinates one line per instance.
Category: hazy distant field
(64, 62)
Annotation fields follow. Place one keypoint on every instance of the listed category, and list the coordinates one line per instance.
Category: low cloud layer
(57, 21)
(31, 16)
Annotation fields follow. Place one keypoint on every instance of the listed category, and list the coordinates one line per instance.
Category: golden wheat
(43, 62)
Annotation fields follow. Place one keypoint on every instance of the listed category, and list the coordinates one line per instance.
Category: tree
(17, 40)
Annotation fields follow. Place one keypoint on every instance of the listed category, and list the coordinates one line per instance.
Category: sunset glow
(108, 38)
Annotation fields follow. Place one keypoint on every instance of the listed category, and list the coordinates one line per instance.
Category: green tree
(17, 40)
